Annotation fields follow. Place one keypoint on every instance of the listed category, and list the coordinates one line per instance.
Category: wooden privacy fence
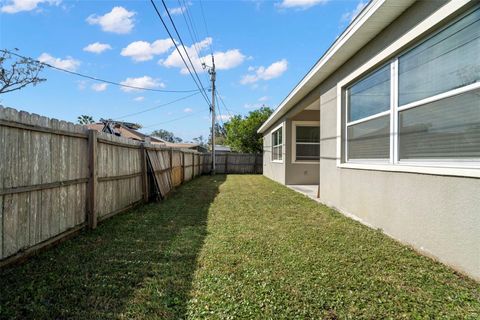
(238, 163)
(57, 177)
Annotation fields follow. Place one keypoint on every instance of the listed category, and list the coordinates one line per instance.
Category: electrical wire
(172, 120)
(190, 27)
(94, 78)
(156, 107)
(205, 24)
(217, 93)
(183, 45)
(205, 97)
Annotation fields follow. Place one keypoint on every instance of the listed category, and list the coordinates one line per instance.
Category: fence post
(226, 162)
(92, 179)
(143, 158)
(193, 165)
(183, 166)
(255, 164)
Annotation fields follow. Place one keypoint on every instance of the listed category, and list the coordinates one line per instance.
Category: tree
(242, 133)
(201, 141)
(84, 119)
(16, 73)
(220, 135)
(166, 135)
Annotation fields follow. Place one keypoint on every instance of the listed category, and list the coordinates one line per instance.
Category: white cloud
(223, 117)
(144, 51)
(68, 63)
(15, 6)
(141, 82)
(119, 20)
(81, 85)
(138, 99)
(351, 15)
(99, 87)
(300, 4)
(177, 10)
(188, 110)
(223, 60)
(274, 70)
(97, 47)
(228, 59)
(252, 105)
(263, 99)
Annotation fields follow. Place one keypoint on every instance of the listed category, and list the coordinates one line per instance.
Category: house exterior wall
(437, 214)
(300, 173)
(288, 172)
(273, 170)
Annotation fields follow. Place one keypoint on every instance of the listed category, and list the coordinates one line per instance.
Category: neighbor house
(130, 131)
(385, 127)
(126, 130)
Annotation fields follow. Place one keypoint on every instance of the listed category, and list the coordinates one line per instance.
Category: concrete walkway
(308, 190)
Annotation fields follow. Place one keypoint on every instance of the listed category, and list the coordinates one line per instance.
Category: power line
(223, 102)
(205, 24)
(91, 77)
(183, 45)
(156, 107)
(178, 50)
(172, 120)
(190, 27)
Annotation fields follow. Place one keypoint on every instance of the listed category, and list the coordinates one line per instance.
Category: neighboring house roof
(222, 148)
(377, 15)
(122, 131)
(183, 145)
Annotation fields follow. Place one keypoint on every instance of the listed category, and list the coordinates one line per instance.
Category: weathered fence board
(160, 163)
(177, 169)
(119, 174)
(57, 177)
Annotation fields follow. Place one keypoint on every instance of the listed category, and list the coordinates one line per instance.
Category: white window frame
(450, 167)
(365, 119)
(296, 124)
(279, 127)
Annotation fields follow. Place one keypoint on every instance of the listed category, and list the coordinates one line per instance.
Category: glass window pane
(370, 95)
(448, 129)
(307, 134)
(369, 139)
(448, 60)
(309, 152)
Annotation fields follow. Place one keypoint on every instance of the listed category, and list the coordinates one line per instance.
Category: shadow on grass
(135, 265)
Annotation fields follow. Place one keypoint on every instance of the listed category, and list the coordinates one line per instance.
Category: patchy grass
(244, 247)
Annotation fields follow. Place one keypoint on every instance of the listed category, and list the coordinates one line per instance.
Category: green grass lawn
(231, 247)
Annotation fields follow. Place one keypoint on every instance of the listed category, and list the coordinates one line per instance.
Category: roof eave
(372, 20)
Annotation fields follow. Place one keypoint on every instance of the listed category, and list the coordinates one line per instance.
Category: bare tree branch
(16, 74)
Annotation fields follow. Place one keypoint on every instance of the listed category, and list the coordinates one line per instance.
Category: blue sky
(262, 50)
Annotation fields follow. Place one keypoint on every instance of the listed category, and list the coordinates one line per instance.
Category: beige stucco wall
(437, 215)
(273, 170)
(289, 172)
(300, 173)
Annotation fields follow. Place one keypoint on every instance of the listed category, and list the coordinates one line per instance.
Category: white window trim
(280, 126)
(444, 167)
(294, 139)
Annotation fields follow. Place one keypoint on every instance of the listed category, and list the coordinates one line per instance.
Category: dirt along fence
(57, 178)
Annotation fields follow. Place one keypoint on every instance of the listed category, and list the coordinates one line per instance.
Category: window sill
(417, 168)
(305, 162)
(277, 161)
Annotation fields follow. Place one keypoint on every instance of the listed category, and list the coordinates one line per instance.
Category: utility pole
(213, 74)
